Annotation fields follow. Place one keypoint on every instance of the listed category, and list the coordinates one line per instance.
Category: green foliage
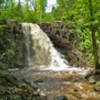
(77, 15)
(97, 85)
(17, 11)
(3, 26)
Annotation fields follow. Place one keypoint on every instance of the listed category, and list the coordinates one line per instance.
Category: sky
(50, 4)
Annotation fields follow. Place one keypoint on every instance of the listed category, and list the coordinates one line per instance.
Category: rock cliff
(12, 50)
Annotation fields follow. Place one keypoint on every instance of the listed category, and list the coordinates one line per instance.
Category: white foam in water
(42, 41)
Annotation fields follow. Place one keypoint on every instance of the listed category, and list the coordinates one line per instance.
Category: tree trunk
(93, 35)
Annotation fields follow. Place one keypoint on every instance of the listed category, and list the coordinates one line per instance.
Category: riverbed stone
(61, 98)
(92, 80)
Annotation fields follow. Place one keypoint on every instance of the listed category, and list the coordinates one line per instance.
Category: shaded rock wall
(58, 33)
(11, 47)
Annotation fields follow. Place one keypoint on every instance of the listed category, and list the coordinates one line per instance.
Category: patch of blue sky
(50, 4)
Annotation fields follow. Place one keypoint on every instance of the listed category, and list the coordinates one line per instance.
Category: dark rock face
(58, 33)
(11, 47)
(42, 98)
(62, 98)
(92, 80)
(13, 89)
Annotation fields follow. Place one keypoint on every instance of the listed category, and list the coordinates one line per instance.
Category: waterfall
(40, 52)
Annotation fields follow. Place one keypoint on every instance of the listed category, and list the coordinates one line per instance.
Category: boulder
(62, 98)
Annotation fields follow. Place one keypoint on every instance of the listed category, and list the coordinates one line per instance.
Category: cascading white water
(40, 52)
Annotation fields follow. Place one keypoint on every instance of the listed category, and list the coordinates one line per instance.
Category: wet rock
(2, 66)
(97, 86)
(42, 94)
(62, 98)
(31, 83)
(14, 97)
(76, 80)
(71, 97)
(97, 89)
(39, 98)
(43, 98)
(2, 90)
(97, 72)
(38, 81)
(36, 93)
(11, 79)
(92, 80)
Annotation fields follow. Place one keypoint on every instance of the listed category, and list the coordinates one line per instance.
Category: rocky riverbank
(47, 85)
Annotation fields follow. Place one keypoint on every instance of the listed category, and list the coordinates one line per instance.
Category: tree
(84, 17)
(40, 8)
(93, 35)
